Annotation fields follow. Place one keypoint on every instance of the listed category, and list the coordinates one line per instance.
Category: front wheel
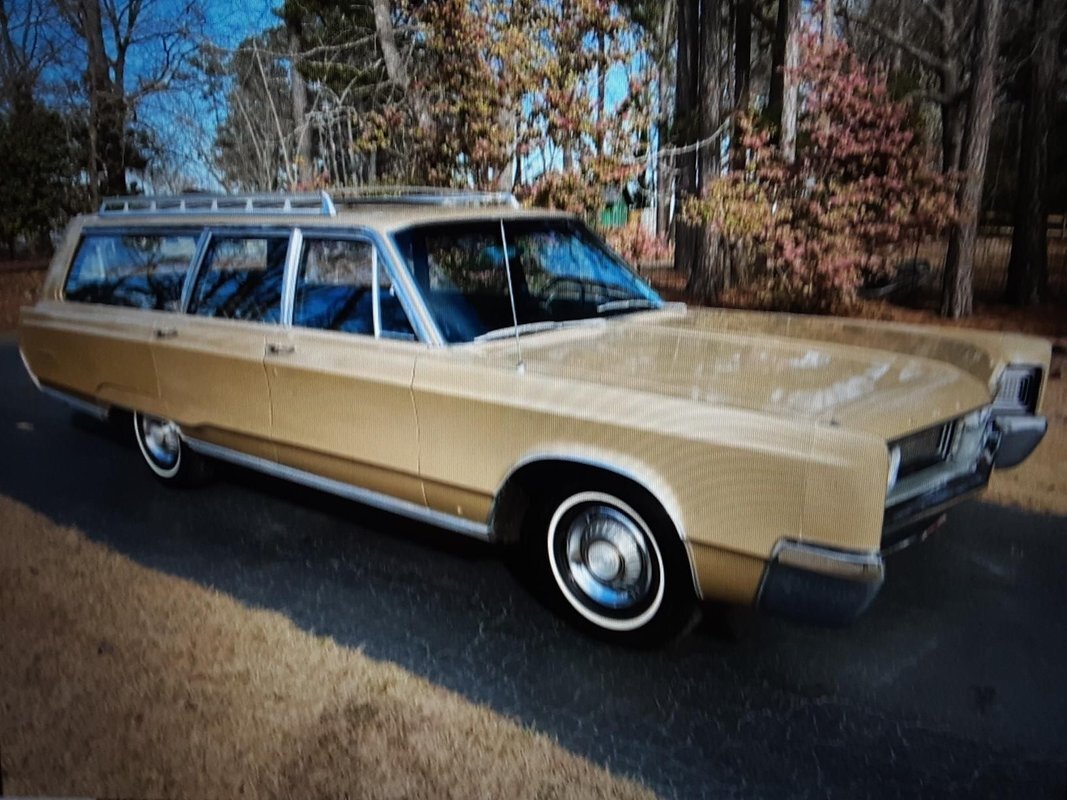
(616, 566)
(169, 458)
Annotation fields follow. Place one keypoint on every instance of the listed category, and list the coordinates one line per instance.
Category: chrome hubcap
(607, 557)
(161, 440)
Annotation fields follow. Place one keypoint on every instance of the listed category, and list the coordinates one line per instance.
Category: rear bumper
(820, 584)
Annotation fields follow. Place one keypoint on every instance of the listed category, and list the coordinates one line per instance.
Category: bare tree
(133, 49)
(25, 51)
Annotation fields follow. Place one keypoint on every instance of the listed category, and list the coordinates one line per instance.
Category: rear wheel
(166, 454)
(614, 564)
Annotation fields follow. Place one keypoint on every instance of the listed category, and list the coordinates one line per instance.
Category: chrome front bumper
(820, 584)
(833, 587)
(1006, 442)
(1019, 435)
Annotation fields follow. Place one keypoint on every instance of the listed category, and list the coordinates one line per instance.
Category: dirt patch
(119, 681)
(20, 284)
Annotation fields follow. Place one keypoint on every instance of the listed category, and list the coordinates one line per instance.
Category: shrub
(861, 182)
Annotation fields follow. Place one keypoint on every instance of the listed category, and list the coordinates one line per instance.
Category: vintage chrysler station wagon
(499, 372)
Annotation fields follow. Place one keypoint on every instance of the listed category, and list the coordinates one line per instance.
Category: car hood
(882, 379)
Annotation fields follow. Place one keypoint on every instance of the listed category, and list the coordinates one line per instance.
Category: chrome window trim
(194, 270)
(413, 310)
(292, 267)
(478, 530)
(192, 231)
(213, 232)
(438, 338)
(376, 294)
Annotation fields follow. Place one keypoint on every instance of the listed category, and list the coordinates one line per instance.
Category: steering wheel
(553, 289)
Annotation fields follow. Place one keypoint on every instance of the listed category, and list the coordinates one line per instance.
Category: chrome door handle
(166, 333)
(279, 349)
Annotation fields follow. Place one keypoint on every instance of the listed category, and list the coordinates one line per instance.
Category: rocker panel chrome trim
(100, 412)
(346, 490)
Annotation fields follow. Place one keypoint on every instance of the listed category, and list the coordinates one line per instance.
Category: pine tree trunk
(784, 90)
(953, 116)
(298, 92)
(685, 124)
(664, 164)
(299, 96)
(1028, 267)
(742, 77)
(707, 277)
(957, 297)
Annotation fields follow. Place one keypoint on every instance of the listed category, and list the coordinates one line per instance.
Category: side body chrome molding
(100, 412)
(467, 527)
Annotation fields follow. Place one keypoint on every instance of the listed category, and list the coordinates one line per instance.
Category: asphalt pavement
(954, 684)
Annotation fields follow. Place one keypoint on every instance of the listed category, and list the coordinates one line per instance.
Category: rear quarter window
(131, 269)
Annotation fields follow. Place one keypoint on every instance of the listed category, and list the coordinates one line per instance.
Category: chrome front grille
(926, 448)
(930, 457)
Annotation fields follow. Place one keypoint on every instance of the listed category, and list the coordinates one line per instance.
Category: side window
(132, 270)
(241, 278)
(335, 290)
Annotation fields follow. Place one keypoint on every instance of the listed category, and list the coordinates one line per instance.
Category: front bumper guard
(1019, 435)
(820, 584)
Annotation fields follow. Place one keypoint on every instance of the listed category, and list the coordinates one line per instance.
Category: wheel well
(530, 480)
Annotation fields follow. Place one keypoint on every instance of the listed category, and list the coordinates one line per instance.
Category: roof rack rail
(420, 195)
(318, 204)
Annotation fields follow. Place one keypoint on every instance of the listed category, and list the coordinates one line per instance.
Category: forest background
(789, 150)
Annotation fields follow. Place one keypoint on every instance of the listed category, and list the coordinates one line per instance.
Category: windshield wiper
(529, 327)
(623, 305)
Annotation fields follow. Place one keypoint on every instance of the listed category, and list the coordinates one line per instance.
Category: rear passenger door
(210, 360)
(340, 375)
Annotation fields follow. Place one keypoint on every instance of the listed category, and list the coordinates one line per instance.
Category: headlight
(1017, 390)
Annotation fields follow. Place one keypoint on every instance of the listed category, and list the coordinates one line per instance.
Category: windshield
(560, 273)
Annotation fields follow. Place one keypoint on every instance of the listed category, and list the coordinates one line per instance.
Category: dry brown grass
(119, 681)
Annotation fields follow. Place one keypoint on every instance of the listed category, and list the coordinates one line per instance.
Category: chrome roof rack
(318, 204)
(420, 196)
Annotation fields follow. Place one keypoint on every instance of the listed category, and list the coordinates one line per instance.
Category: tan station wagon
(499, 372)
